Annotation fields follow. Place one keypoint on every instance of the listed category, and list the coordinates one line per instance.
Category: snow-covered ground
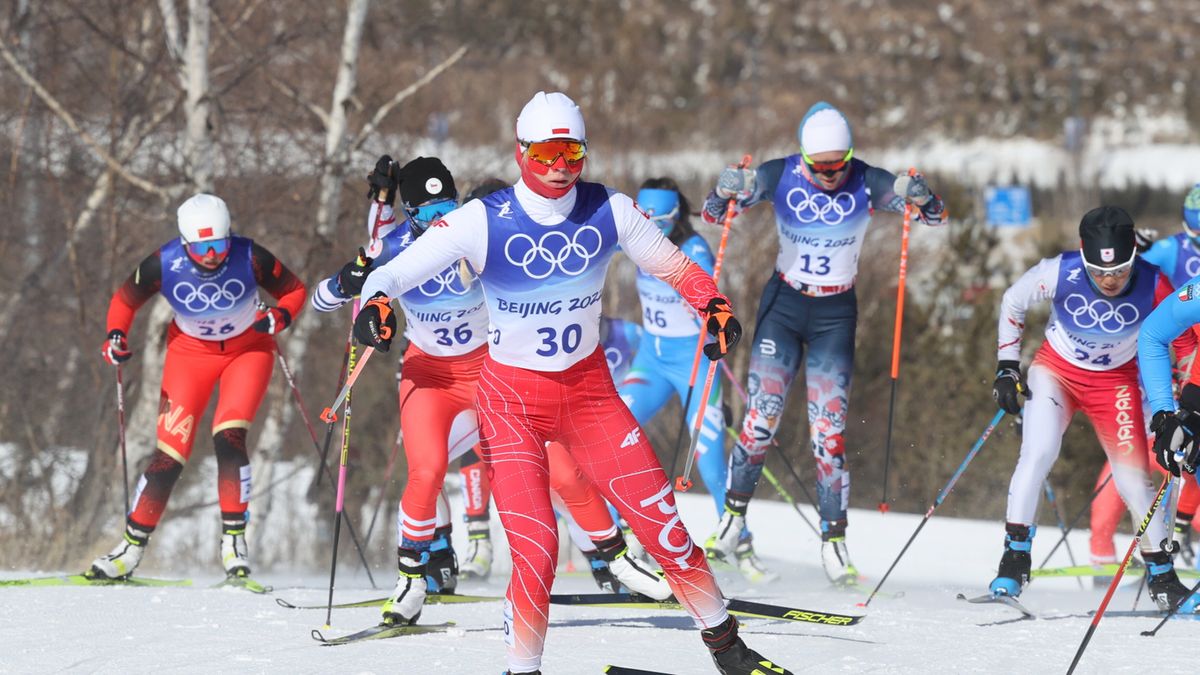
(924, 631)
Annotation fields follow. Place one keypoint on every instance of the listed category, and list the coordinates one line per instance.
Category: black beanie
(1106, 236)
(425, 179)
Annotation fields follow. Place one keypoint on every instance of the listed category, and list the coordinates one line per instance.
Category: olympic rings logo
(815, 206)
(1192, 266)
(1100, 313)
(554, 251)
(448, 280)
(209, 295)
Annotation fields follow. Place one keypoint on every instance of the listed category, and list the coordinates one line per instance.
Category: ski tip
(316, 635)
(284, 603)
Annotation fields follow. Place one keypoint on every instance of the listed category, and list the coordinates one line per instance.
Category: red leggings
(520, 411)
(241, 369)
(433, 391)
(1108, 508)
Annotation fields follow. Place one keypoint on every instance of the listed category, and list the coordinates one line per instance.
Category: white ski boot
(836, 561)
(750, 566)
(404, 605)
(722, 544)
(234, 554)
(477, 563)
(636, 576)
(122, 560)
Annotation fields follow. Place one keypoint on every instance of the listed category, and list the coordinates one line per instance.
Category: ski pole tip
(328, 416)
(884, 507)
(682, 484)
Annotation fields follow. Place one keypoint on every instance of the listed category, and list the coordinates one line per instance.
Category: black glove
(1173, 432)
(353, 275)
(115, 349)
(722, 324)
(385, 179)
(1008, 385)
(376, 323)
(271, 320)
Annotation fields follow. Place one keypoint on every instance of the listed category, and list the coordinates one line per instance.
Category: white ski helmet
(203, 217)
(547, 116)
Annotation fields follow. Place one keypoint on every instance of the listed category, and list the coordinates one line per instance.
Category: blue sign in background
(1008, 206)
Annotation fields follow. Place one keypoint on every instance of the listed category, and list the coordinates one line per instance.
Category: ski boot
(722, 544)
(405, 604)
(601, 573)
(629, 571)
(441, 570)
(835, 557)
(122, 560)
(1165, 588)
(732, 656)
(1016, 562)
(750, 566)
(477, 563)
(635, 547)
(234, 554)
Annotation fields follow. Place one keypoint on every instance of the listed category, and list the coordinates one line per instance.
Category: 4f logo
(631, 438)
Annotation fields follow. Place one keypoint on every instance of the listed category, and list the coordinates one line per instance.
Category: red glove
(115, 349)
(271, 320)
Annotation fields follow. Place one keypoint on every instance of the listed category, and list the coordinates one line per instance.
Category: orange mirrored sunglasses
(548, 152)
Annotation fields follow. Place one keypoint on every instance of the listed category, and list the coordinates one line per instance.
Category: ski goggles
(1098, 272)
(660, 206)
(548, 152)
(432, 211)
(200, 249)
(827, 168)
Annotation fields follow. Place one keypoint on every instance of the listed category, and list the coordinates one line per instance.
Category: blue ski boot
(1016, 562)
(1165, 588)
(441, 571)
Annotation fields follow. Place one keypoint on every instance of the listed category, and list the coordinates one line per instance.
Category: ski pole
(291, 380)
(355, 368)
(329, 427)
(1168, 544)
(387, 474)
(1075, 520)
(903, 276)
(121, 433)
(737, 386)
(329, 415)
(941, 497)
(726, 225)
(1062, 526)
(1112, 586)
(1173, 612)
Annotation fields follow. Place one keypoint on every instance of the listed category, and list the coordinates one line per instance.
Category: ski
(83, 580)
(1103, 571)
(734, 606)
(245, 583)
(622, 670)
(430, 599)
(381, 632)
(988, 598)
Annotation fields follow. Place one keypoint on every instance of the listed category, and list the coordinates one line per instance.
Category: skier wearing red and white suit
(541, 249)
(1100, 296)
(221, 335)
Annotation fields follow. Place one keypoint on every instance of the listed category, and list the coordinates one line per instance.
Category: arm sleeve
(1186, 342)
(646, 246)
(882, 184)
(145, 281)
(326, 297)
(1036, 285)
(462, 233)
(1174, 315)
(276, 279)
(766, 179)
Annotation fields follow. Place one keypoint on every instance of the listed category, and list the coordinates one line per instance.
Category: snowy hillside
(925, 631)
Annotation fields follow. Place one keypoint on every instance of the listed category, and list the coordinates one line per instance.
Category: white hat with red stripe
(547, 116)
(203, 217)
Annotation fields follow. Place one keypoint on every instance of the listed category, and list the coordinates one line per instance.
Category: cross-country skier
(663, 365)
(446, 320)
(219, 336)
(1100, 296)
(823, 199)
(1178, 257)
(541, 249)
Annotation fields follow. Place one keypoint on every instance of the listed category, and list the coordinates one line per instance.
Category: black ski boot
(732, 656)
(1016, 561)
(602, 573)
(441, 570)
(1165, 587)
